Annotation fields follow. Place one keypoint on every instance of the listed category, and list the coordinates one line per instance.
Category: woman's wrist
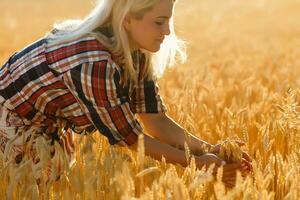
(156, 150)
(208, 159)
(199, 147)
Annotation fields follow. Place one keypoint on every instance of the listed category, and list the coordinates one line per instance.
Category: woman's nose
(167, 29)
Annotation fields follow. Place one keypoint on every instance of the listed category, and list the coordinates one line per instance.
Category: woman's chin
(153, 49)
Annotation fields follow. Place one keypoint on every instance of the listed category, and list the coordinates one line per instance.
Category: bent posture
(98, 74)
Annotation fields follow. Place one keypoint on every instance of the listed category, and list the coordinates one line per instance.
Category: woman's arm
(162, 127)
(156, 150)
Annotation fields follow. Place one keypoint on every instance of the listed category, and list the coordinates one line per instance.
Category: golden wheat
(230, 151)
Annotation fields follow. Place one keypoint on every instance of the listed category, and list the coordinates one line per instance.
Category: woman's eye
(159, 23)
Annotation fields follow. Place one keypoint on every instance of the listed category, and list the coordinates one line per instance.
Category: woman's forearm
(168, 131)
(156, 150)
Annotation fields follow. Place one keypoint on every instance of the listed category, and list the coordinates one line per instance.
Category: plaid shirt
(76, 84)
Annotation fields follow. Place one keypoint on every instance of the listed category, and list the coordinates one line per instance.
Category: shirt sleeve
(96, 87)
(145, 97)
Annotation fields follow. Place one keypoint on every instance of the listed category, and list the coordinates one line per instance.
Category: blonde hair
(105, 22)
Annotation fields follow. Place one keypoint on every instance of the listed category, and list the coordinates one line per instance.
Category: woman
(98, 74)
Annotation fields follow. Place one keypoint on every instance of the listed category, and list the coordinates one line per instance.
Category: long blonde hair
(105, 22)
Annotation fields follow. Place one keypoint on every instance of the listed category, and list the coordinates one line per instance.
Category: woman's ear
(126, 22)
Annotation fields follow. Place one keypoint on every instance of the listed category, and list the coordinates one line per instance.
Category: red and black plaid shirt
(76, 82)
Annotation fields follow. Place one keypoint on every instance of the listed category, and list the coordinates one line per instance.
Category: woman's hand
(229, 169)
(209, 159)
(230, 173)
(216, 150)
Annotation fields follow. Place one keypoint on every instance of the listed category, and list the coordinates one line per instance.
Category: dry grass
(241, 80)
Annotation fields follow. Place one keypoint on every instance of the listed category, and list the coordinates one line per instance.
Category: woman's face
(149, 32)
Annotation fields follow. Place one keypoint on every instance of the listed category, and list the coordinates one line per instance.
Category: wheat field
(241, 80)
